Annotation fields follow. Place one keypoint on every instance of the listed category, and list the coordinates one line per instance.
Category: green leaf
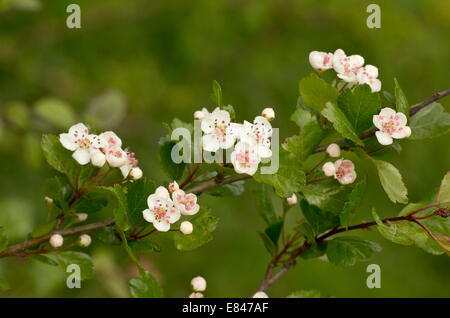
(265, 205)
(444, 190)
(443, 241)
(429, 122)
(55, 111)
(204, 224)
(3, 239)
(353, 202)
(341, 123)
(328, 195)
(359, 105)
(315, 92)
(43, 259)
(315, 251)
(273, 231)
(172, 169)
(318, 219)
(145, 286)
(18, 114)
(43, 229)
(346, 251)
(305, 294)
(401, 102)
(81, 259)
(117, 203)
(137, 195)
(230, 110)
(144, 246)
(232, 189)
(311, 134)
(107, 110)
(216, 95)
(90, 203)
(4, 285)
(268, 243)
(289, 178)
(392, 182)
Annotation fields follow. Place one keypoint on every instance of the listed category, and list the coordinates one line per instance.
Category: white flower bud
(81, 217)
(199, 115)
(136, 173)
(173, 187)
(85, 240)
(196, 295)
(186, 227)
(334, 150)
(260, 294)
(329, 169)
(268, 113)
(56, 240)
(292, 200)
(48, 200)
(98, 159)
(198, 284)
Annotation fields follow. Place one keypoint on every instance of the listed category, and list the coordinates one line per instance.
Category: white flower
(161, 211)
(219, 131)
(130, 163)
(81, 217)
(200, 114)
(368, 75)
(245, 158)
(390, 125)
(258, 134)
(173, 187)
(329, 169)
(198, 284)
(186, 227)
(268, 113)
(344, 171)
(115, 155)
(321, 61)
(334, 150)
(56, 240)
(347, 66)
(196, 295)
(260, 294)
(81, 143)
(85, 240)
(186, 203)
(292, 200)
(136, 173)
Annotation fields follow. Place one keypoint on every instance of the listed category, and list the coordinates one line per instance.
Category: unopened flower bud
(173, 187)
(186, 227)
(334, 150)
(48, 200)
(56, 240)
(292, 200)
(329, 169)
(196, 295)
(84, 240)
(81, 217)
(136, 173)
(198, 284)
(199, 115)
(98, 159)
(260, 294)
(268, 113)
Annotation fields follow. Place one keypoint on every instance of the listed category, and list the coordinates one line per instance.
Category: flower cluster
(348, 68)
(342, 170)
(99, 149)
(165, 209)
(251, 141)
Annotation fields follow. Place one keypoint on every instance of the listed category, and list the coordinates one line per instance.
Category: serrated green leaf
(268, 243)
(315, 92)
(318, 219)
(137, 195)
(315, 251)
(216, 95)
(43, 229)
(81, 259)
(273, 231)
(444, 190)
(265, 206)
(429, 122)
(55, 111)
(392, 181)
(328, 195)
(144, 246)
(232, 189)
(341, 123)
(90, 203)
(401, 102)
(43, 259)
(353, 202)
(172, 169)
(145, 286)
(117, 203)
(346, 251)
(107, 110)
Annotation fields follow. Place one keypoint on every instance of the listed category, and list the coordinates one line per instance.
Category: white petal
(356, 60)
(111, 139)
(174, 214)
(207, 124)
(152, 200)
(148, 215)
(375, 85)
(68, 141)
(125, 170)
(162, 193)
(348, 77)
(401, 119)
(404, 132)
(229, 141)
(80, 130)
(386, 113)
(384, 138)
(264, 152)
(82, 156)
(371, 70)
(116, 157)
(161, 226)
(222, 116)
(210, 142)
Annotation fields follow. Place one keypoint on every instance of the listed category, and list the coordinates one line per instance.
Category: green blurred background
(151, 61)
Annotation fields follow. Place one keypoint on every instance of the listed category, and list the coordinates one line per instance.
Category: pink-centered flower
(321, 61)
(369, 75)
(347, 66)
(81, 143)
(344, 171)
(219, 131)
(186, 203)
(161, 210)
(245, 158)
(115, 155)
(130, 163)
(391, 124)
(258, 135)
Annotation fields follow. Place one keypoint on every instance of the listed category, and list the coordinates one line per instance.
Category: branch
(216, 183)
(412, 111)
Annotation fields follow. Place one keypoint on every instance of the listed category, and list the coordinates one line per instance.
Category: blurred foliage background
(135, 64)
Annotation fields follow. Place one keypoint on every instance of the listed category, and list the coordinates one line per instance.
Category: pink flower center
(344, 169)
(245, 159)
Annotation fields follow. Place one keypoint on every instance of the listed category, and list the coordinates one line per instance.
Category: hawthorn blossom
(173, 187)
(368, 75)
(186, 203)
(258, 135)
(56, 240)
(347, 66)
(200, 114)
(334, 150)
(268, 113)
(245, 158)
(129, 164)
(219, 131)
(186, 227)
(84, 240)
(321, 61)
(292, 200)
(115, 155)
(81, 143)
(161, 210)
(329, 169)
(198, 284)
(344, 171)
(391, 124)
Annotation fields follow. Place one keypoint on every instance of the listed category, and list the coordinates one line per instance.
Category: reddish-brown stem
(190, 176)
